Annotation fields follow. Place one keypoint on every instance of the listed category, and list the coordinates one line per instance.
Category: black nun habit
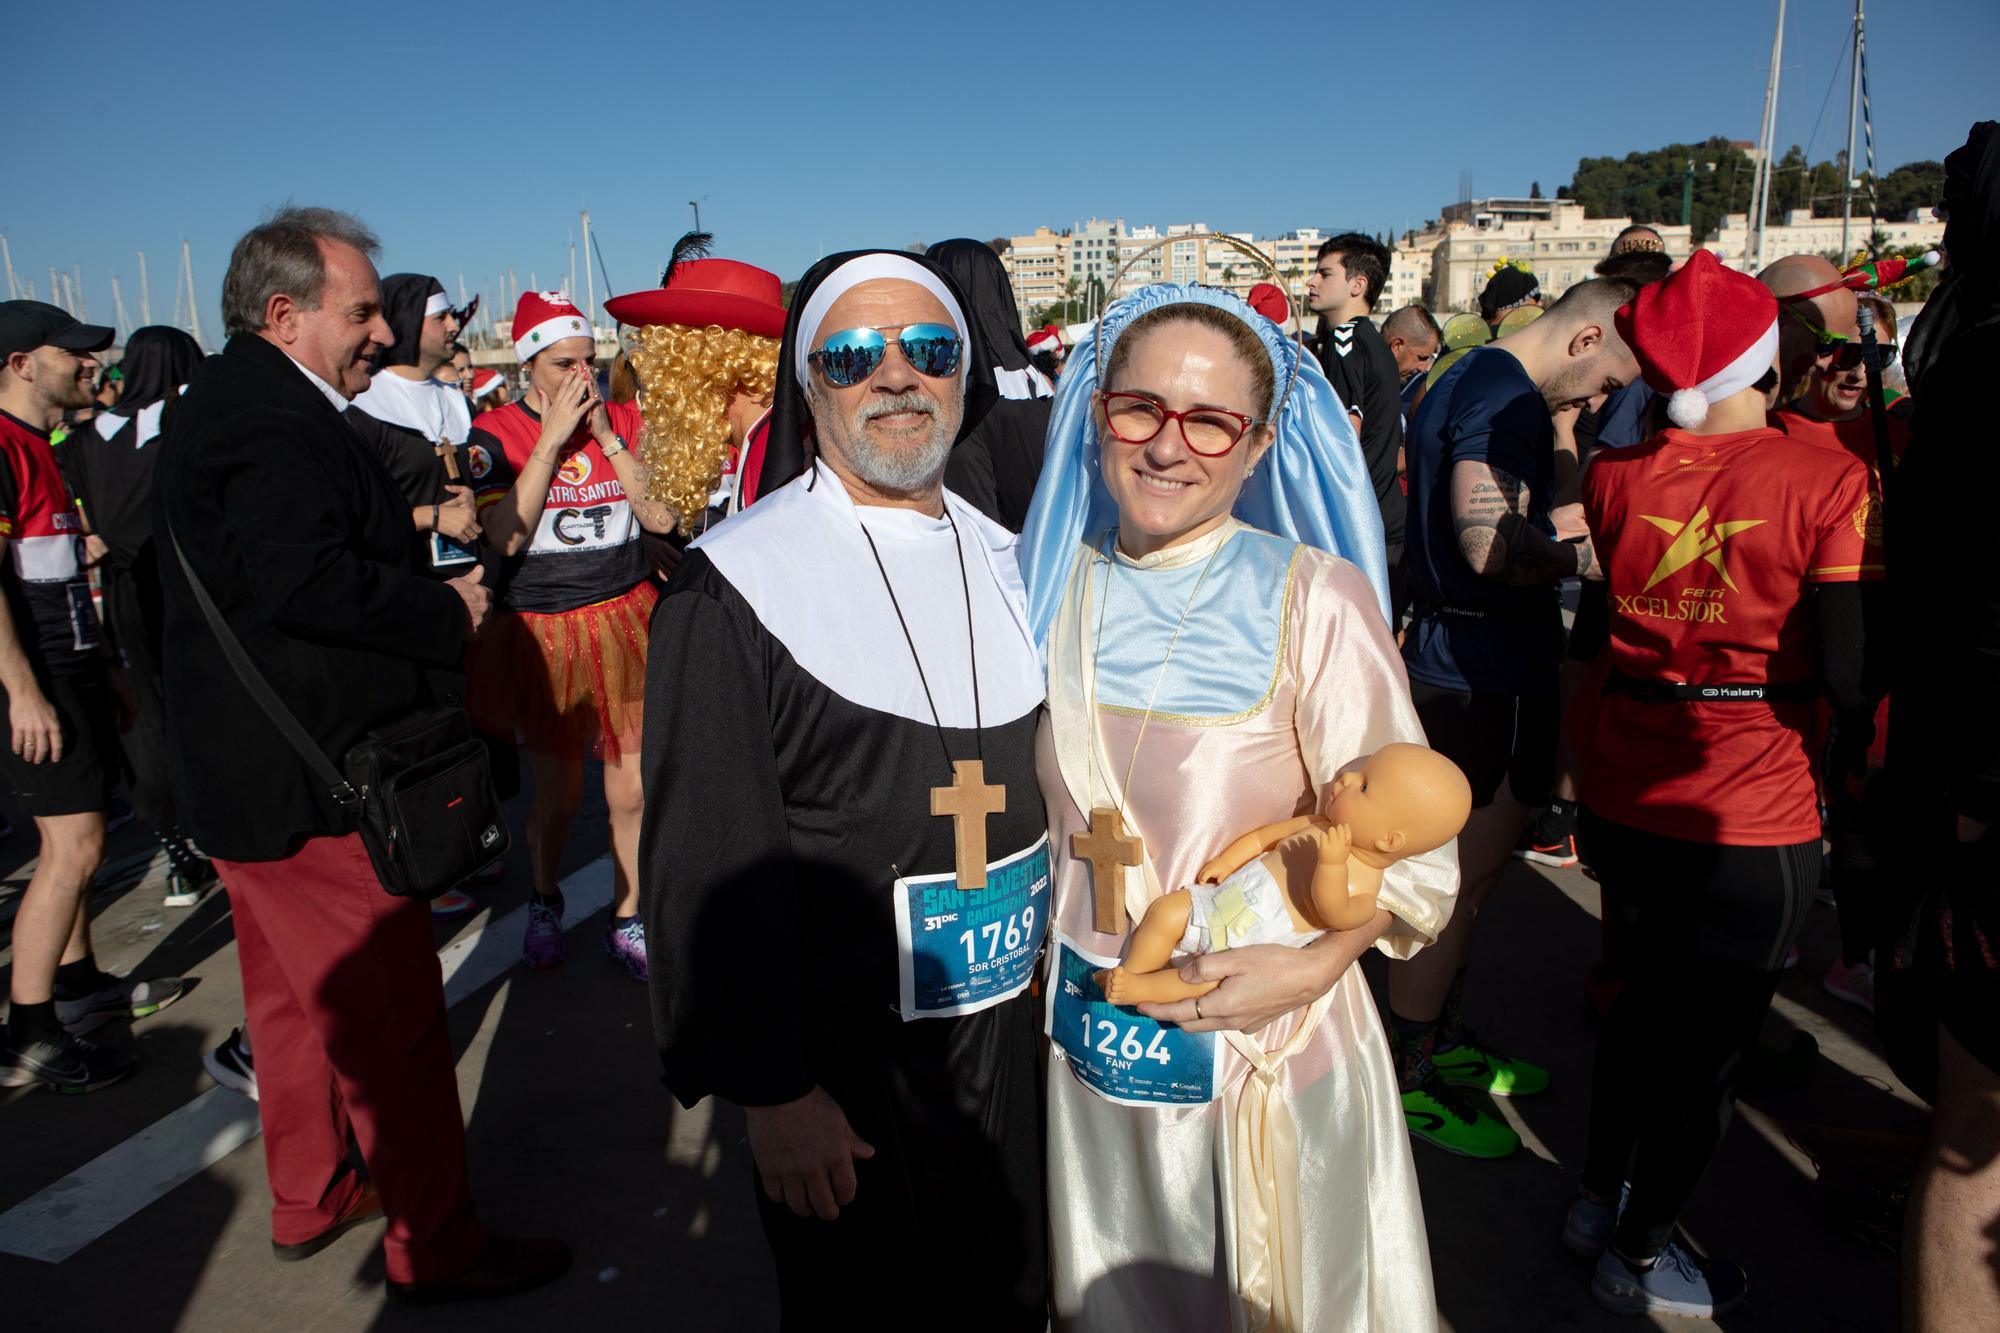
(817, 670)
(997, 464)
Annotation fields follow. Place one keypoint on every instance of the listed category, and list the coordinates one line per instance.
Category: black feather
(694, 245)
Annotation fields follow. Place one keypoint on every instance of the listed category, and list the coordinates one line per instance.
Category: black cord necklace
(968, 799)
(971, 641)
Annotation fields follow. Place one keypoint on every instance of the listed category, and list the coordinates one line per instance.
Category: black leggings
(1705, 929)
(1861, 833)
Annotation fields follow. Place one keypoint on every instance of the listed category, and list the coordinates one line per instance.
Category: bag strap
(253, 680)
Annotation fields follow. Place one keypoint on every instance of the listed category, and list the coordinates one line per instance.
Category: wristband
(610, 451)
(434, 518)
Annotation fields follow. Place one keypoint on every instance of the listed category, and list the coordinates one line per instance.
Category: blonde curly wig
(686, 379)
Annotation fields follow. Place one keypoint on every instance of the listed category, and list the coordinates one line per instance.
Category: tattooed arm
(1489, 510)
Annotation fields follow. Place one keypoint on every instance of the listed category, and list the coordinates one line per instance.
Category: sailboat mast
(1767, 141)
(13, 285)
(145, 292)
(1853, 110)
(589, 278)
(194, 306)
(118, 304)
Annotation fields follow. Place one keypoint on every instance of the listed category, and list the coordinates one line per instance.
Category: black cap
(26, 325)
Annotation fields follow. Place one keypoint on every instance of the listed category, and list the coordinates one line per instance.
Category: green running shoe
(1473, 1063)
(1437, 1114)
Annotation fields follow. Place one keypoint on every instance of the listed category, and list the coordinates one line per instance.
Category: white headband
(437, 305)
(867, 268)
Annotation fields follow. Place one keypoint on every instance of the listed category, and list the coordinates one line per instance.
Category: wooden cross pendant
(449, 453)
(969, 800)
(1109, 849)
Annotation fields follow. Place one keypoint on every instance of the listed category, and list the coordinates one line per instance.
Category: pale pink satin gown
(1283, 672)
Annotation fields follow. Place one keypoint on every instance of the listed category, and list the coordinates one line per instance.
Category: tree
(1072, 309)
(1647, 186)
(1000, 245)
(1911, 188)
(1535, 190)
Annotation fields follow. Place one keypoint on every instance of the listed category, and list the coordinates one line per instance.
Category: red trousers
(346, 1010)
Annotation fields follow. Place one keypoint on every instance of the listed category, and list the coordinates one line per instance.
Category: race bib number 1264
(1120, 1053)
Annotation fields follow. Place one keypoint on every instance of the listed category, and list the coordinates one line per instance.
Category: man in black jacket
(1346, 281)
(303, 543)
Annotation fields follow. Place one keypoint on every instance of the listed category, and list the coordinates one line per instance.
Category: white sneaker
(230, 1065)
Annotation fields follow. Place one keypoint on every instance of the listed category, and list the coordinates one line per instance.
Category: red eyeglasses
(1208, 431)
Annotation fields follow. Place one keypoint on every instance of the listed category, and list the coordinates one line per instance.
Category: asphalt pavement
(144, 1206)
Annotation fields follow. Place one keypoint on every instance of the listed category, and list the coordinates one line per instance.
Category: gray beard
(911, 467)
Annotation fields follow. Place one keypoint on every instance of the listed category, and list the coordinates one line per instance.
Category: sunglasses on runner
(1845, 350)
(1208, 431)
(850, 356)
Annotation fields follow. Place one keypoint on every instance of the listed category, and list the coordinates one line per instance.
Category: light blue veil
(1312, 485)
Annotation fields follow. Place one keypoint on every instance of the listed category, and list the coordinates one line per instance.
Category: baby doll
(1400, 801)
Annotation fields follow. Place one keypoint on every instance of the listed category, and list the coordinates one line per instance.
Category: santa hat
(1045, 339)
(1269, 300)
(484, 381)
(543, 318)
(1701, 335)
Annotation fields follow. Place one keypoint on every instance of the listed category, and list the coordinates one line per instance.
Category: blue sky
(469, 135)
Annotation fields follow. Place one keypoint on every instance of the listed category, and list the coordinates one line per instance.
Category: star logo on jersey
(1868, 520)
(1696, 539)
(575, 470)
(477, 461)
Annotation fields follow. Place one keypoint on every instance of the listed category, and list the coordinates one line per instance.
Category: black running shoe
(119, 997)
(69, 1064)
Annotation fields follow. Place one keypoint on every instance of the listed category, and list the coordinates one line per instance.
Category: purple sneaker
(626, 941)
(543, 947)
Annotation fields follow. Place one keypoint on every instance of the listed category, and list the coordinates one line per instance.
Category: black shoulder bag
(419, 791)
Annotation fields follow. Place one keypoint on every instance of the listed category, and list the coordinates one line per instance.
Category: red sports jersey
(1856, 439)
(1708, 543)
(47, 590)
(586, 547)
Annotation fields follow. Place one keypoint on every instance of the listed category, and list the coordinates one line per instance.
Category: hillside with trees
(1649, 185)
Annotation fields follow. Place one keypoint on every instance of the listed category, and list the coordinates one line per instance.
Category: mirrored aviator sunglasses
(850, 356)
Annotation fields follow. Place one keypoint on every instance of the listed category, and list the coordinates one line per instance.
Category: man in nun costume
(110, 468)
(846, 871)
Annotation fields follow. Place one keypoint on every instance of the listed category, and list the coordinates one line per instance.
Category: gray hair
(1413, 324)
(282, 254)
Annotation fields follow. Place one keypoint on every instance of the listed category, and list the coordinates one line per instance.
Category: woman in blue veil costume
(1213, 618)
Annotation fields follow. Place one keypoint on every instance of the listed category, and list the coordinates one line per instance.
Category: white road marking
(99, 1195)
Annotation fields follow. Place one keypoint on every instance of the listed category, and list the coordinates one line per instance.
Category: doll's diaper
(1246, 908)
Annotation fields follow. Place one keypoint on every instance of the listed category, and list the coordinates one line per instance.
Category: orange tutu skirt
(571, 684)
